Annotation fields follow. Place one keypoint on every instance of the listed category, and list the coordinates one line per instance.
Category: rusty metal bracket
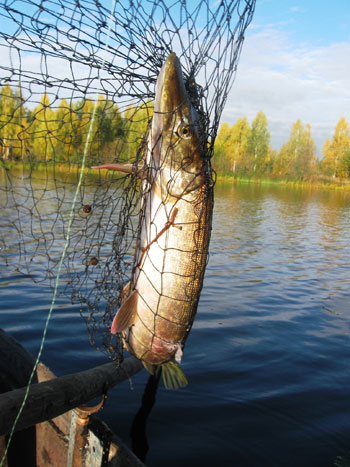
(84, 412)
(79, 431)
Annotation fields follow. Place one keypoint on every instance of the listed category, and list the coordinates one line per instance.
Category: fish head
(176, 141)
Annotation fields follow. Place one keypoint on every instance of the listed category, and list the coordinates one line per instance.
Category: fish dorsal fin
(173, 376)
(126, 314)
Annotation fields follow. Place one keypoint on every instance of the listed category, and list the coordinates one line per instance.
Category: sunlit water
(268, 356)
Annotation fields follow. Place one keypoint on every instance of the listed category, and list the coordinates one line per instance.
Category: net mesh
(78, 77)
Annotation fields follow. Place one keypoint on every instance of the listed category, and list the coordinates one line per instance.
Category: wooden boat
(54, 428)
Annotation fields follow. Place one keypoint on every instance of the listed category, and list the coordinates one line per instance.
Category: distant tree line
(245, 150)
(58, 131)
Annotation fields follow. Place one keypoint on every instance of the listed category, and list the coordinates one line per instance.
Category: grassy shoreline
(321, 182)
(58, 167)
(317, 182)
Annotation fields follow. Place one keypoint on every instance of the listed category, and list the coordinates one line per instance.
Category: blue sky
(295, 65)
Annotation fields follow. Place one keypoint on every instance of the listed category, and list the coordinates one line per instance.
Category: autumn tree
(63, 131)
(110, 130)
(12, 123)
(230, 151)
(238, 146)
(136, 124)
(42, 130)
(222, 163)
(258, 145)
(336, 161)
(297, 157)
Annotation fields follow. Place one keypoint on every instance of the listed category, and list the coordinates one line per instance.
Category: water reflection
(267, 358)
(42, 233)
(281, 235)
(138, 432)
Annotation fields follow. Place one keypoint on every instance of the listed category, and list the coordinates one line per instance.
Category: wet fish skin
(177, 203)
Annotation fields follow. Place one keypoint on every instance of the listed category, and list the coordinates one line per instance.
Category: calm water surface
(268, 357)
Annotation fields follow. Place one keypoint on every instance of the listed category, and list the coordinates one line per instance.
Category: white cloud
(291, 82)
(296, 9)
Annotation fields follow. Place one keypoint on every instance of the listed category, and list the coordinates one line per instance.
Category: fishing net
(77, 85)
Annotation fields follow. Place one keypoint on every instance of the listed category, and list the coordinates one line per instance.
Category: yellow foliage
(13, 137)
(336, 162)
(231, 145)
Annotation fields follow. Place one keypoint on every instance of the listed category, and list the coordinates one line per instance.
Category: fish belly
(168, 280)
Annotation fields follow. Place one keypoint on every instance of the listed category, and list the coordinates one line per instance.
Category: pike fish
(160, 302)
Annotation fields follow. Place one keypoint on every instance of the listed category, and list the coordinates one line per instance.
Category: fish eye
(184, 131)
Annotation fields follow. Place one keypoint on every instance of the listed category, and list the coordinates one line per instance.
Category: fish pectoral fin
(173, 376)
(125, 292)
(124, 168)
(126, 314)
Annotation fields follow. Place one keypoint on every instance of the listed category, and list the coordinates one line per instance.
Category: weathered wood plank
(63, 421)
(49, 399)
(51, 436)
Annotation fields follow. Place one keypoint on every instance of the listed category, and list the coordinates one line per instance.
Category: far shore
(320, 181)
(315, 181)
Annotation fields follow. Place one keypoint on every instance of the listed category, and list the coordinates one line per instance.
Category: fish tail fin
(173, 376)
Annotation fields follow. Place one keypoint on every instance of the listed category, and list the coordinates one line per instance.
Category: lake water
(268, 356)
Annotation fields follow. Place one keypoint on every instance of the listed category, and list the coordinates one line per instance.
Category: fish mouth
(170, 88)
(176, 144)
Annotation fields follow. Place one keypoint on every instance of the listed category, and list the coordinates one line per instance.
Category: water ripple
(267, 359)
